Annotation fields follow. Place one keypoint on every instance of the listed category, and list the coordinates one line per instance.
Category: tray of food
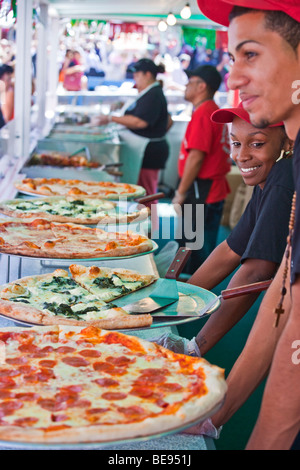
(64, 386)
(103, 297)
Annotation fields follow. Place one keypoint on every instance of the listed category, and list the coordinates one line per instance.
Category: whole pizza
(75, 209)
(61, 187)
(84, 298)
(43, 238)
(63, 384)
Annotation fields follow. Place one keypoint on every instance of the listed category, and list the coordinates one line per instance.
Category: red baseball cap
(225, 115)
(219, 10)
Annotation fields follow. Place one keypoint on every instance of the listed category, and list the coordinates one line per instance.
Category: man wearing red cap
(264, 45)
(203, 164)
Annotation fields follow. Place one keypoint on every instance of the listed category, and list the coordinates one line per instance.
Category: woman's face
(142, 80)
(255, 151)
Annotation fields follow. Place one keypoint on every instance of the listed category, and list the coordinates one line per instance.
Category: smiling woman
(257, 243)
(254, 151)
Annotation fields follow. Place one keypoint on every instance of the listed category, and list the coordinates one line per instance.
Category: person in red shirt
(203, 164)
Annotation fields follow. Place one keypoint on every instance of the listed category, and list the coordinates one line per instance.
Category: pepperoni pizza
(74, 385)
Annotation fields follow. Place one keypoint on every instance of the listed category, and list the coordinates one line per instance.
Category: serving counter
(15, 168)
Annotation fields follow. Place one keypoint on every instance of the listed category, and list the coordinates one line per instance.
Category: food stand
(38, 129)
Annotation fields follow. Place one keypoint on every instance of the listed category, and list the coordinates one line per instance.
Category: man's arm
(254, 362)
(279, 419)
(232, 310)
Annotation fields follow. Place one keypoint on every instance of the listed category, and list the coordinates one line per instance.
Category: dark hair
(161, 68)
(5, 68)
(275, 20)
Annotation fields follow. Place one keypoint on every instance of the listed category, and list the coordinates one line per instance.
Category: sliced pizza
(56, 298)
(108, 284)
(80, 209)
(62, 187)
(46, 239)
(88, 385)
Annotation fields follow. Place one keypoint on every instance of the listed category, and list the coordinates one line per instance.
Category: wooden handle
(114, 172)
(247, 289)
(178, 263)
(151, 197)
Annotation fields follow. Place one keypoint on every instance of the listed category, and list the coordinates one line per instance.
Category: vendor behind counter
(147, 117)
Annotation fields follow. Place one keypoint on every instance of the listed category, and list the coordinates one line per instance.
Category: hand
(177, 202)
(206, 428)
(101, 120)
(178, 345)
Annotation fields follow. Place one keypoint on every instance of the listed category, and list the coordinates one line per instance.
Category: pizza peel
(256, 287)
(166, 291)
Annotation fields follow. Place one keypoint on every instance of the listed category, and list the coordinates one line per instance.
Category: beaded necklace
(279, 310)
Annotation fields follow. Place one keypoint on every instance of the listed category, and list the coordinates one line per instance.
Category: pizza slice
(108, 284)
(56, 298)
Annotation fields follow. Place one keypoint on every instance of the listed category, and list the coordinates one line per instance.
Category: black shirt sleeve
(152, 108)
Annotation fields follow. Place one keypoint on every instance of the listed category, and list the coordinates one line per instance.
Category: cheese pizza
(74, 209)
(78, 385)
(57, 298)
(45, 239)
(61, 187)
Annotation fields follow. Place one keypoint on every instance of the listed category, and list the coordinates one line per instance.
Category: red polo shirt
(212, 139)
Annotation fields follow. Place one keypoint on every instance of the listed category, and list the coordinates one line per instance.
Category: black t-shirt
(152, 108)
(262, 231)
(295, 259)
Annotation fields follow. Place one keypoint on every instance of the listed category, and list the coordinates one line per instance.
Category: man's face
(264, 70)
(192, 88)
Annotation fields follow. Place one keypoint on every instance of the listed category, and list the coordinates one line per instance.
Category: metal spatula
(256, 287)
(166, 291)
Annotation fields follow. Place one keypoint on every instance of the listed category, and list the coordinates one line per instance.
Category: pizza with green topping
(57, 298)
(74, 209)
